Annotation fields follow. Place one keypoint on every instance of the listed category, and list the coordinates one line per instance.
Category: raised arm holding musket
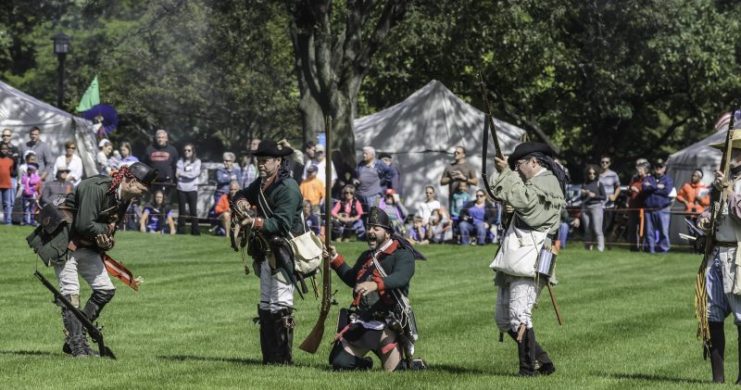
(532, 183)
(719, 284)
(279, 205)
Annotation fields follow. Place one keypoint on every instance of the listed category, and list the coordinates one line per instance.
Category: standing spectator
(7, 172)
(225, 175)
(162, 157)
(635, 203)
(348, 213)
(294, 161)
(312, 190)
(187, 171)
(56, 190)
(126, 157)
(459, 199)
(224, 210)
(157, 217)
(70, 161)
(45, 159)
(321, 164)
(105, 150)
(396, 211)
(611, 182)
(457, 173)
(477, 216)
(424, 209)
(15, 154)
(592, 209)
(395, 180)
(658, 208)
(248, 164)
(371, 173)
(309, 153)
(694, 195)
(31, 185)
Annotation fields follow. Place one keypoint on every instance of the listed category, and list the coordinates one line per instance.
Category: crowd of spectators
(32, 176)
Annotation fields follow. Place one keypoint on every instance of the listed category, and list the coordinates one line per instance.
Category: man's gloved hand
(104, 241)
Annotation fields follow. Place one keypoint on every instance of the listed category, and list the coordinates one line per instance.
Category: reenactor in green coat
(279, 205)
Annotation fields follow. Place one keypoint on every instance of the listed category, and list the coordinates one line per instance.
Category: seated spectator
(105, 150)
(566, 224)
(225, 175)
(417, 232)
(424, 209)
(477, 216)
(157, 216)
(58, 189)
(31, 188)
(394, 209)
(440, 227)
(224, 212)
(347, 214)
(313, 222)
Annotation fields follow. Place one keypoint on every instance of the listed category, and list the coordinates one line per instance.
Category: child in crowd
(460, 198)
(31, 187)
(157, 217)
(418, 233)
(439, 227)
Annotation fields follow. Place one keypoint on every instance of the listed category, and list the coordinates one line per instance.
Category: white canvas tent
(19, 112)
(421, 132)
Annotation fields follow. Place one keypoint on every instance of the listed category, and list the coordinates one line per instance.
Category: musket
(489, 126)
(312, 341)
(92, 330)
(718, 200)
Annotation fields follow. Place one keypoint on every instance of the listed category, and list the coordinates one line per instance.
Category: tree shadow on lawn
(27, 353)
(183, 358)
(652, 377)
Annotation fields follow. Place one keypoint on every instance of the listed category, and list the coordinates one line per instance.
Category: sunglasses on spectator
(7, 135)
(348, 192)
(71, 147)
(190, 150)
(479, 195)
(604, 162)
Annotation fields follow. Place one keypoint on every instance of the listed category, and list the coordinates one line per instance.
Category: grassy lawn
(628, 323)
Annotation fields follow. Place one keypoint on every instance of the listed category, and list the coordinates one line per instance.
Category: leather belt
(731, 244)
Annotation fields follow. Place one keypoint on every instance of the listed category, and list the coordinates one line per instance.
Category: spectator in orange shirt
(223, 208)
(312, 189)
(694, 195)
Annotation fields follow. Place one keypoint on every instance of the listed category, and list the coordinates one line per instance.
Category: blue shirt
(657, 190)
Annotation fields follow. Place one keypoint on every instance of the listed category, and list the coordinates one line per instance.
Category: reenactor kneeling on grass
(279, 205)
(92, 212)
(537, 197)
(380, 318)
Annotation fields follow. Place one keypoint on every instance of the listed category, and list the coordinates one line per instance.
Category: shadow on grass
(27, 353)
(185, 358)
(654, 378)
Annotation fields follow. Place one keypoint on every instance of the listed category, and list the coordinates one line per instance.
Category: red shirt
(6, 167)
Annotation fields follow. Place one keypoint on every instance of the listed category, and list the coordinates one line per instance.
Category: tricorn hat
(269, 148)
(378, 217)
(526, 148)
(143, 172)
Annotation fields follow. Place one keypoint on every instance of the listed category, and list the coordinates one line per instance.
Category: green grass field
(628, 323)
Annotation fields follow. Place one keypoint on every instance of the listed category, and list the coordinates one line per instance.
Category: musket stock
(312, 341)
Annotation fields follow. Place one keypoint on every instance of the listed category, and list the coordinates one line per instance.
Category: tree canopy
(631, 78)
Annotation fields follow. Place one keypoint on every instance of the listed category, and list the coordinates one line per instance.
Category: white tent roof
(421, 132)
(20, 112)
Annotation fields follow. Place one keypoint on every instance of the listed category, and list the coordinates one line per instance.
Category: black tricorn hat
(143, 172)
(269, 148)
(526, 148)
(378, 217)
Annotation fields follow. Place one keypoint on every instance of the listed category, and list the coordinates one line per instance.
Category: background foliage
(630, 78)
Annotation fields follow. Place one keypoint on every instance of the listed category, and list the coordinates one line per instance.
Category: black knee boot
(76, 335)
(543, 362)
(717, 351)
(283, 325)
(738, 380)
(267, 344)
(340, 360)
(97, 302)
(526, 352)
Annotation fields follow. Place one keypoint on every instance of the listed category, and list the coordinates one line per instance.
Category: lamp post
(61, 47)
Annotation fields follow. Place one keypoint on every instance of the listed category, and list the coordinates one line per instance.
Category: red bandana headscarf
(118, 176)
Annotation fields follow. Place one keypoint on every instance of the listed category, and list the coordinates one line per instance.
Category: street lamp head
(61, 43)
